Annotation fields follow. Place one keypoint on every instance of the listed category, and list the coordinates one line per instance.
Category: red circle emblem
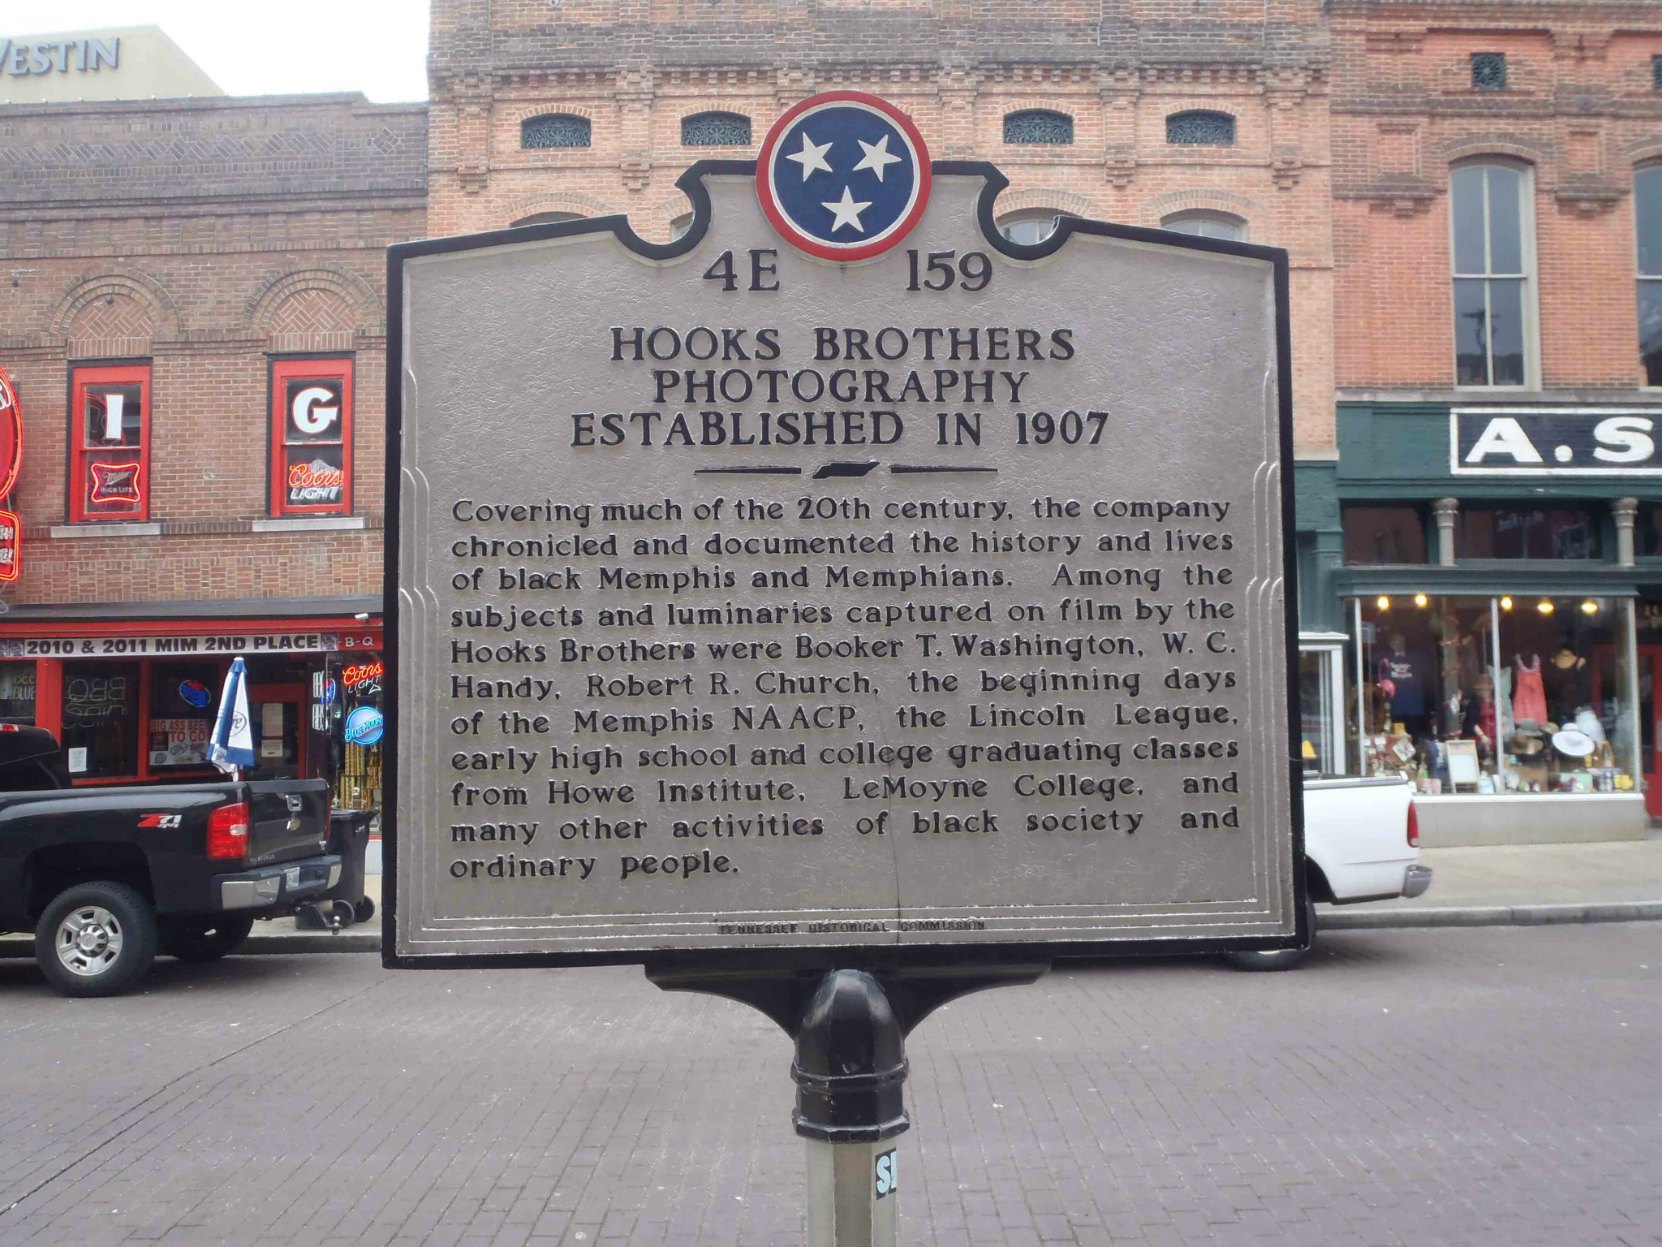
(843, 175)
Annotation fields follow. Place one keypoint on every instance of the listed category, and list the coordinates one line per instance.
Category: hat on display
(1573, 742)
(1524, 744)
(1530, 727)
(1588, 722)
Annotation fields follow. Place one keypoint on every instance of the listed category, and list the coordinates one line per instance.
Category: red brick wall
(203, 236)
(1580, 109)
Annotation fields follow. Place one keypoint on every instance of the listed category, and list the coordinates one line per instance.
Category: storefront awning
(1533, 578)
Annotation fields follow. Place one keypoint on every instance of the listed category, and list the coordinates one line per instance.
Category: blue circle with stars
(843, 175)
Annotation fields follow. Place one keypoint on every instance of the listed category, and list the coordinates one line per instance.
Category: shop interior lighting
(1506, 604)
(1384, 603)
(1545, 606)
(1420, 600)
(1589, 607)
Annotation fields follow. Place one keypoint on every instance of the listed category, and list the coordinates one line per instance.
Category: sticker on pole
(744, 600)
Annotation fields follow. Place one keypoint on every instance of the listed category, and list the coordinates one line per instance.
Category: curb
(1343, 919)
(1329, 919)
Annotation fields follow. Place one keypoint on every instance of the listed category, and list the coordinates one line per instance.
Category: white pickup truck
(1361, 843)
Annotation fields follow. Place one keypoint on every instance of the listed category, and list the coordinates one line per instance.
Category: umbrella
(232, 744)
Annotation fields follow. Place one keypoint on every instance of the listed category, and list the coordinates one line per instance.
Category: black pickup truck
(107, 877)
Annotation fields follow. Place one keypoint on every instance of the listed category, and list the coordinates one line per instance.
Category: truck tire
(200, 940)
(1286, 958)
(96, 939)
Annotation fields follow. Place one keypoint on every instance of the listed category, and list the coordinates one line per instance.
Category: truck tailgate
(289, 818)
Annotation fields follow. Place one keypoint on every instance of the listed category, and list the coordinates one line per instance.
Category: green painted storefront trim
(1399, 451)
(1522, 579)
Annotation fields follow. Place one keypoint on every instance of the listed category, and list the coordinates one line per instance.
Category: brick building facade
(177, 255)
(1463, 188)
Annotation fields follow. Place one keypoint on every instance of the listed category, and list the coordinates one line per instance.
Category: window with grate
(1201, 128)
(1038, 126)
(1493, 230)
(715, 130)
(556, 130)
(1488, 71)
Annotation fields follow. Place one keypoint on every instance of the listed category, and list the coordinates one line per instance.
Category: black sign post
(840, 608)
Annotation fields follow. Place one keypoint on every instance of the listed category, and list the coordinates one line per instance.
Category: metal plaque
(839, 574)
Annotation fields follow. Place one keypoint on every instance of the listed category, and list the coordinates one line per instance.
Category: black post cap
(850, 1063)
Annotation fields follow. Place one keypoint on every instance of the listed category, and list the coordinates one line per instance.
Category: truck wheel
(1285, 959)
(199, 940)
(96, 939)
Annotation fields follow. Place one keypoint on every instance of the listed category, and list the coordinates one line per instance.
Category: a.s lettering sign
(1554, 441)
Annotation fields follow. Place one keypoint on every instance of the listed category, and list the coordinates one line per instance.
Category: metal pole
(1502, 734)
(1361, 690)
(849, 1069)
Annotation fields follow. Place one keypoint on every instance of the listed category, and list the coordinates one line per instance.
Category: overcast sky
(378, 47)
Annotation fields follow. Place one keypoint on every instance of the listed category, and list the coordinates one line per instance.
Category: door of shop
(1606, 680)
(1650, 719)
(278, 714)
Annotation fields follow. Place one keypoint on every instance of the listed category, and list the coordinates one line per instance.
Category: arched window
(1647, 221)
(1201, 128)
(548, 218)
(1030, 225)
(715, 130)
(1492, 228)
(556, 130)
(1207, 225)
(1042, 126)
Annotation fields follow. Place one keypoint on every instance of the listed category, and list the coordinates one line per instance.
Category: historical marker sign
(839, 574)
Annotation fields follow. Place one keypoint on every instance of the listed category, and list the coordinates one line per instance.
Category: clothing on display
(1530, 699)
(1407, 672)
(1569, 683)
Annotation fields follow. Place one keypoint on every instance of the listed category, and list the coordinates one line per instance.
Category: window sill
(309, 523)
(139, 528)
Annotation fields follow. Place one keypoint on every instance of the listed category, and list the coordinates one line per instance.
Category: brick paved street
(1407, 1087)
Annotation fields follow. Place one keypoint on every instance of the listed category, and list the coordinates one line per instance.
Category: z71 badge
(161, 820)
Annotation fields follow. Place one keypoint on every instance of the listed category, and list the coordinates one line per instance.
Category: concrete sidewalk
(1617, 881)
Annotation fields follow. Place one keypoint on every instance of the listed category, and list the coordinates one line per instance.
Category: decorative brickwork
(1577, 108)
(1115, 71)
(245, 227)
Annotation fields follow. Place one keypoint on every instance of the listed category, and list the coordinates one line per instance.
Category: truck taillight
(228, 831)
(1413, 826)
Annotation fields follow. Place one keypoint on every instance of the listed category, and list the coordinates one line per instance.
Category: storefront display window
(1378, 534)
(109, 443)
(356, 691)
(17, 693)
(1522, 531)
(101, 719)
(1510, 694)
(183, 699)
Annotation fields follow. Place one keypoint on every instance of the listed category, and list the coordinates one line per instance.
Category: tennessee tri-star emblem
(843, 175)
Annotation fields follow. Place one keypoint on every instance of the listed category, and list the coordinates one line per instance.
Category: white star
(811, 157)
(847, 212)
(877, 156)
